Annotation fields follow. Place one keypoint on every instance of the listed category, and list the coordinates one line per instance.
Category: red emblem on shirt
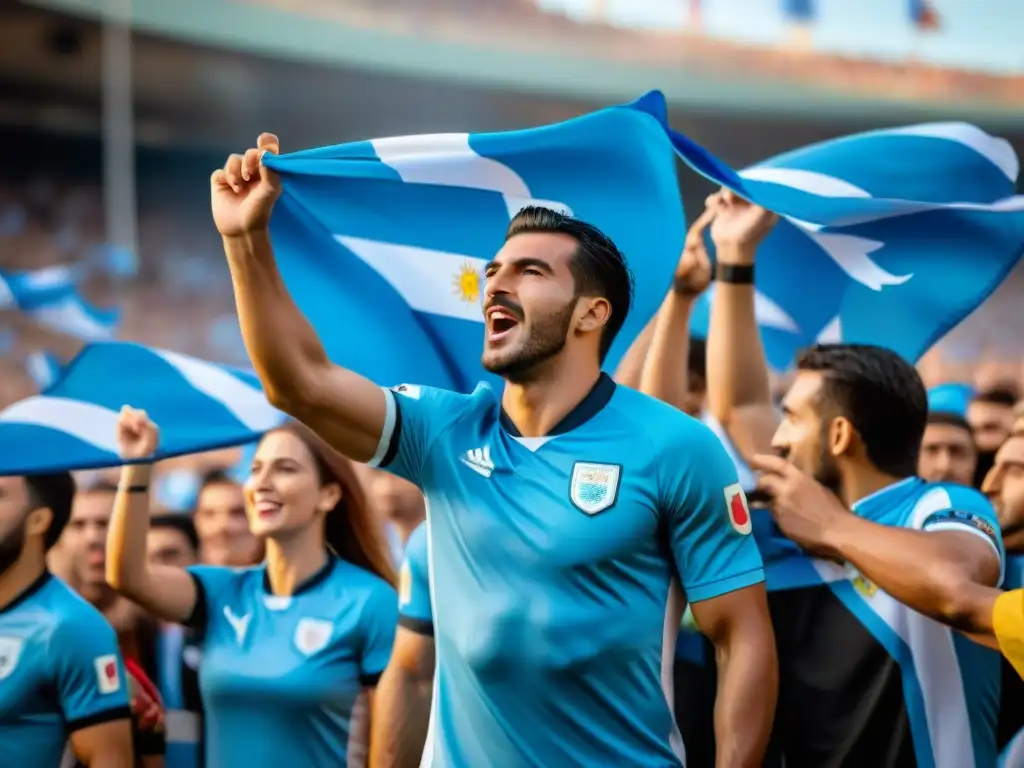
(739, 512)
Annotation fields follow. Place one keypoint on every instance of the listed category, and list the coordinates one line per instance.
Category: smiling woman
(290, 646)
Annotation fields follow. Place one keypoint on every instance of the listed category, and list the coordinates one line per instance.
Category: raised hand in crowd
(661, 354)
(739, 387)
(137, 436)
(738, 227)
(244, 191)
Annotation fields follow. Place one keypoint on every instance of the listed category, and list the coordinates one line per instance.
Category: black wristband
(134, 488)
(738, 274)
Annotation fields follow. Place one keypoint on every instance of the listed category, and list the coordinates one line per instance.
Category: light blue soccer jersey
(550, 562)
(414, 589)
(871, 681)
(60, 672)
(280, 675)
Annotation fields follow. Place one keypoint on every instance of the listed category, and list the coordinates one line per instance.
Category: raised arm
(346, 410)
(169, 593)
(665, 372)
(739, 396)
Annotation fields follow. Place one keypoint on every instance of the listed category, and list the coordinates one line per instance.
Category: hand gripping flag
(382, 243)
(889, 237)
(197, 405)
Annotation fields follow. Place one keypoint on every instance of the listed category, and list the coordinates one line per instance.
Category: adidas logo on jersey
(479, 460)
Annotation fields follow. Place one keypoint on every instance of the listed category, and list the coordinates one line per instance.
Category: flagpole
(118, 126)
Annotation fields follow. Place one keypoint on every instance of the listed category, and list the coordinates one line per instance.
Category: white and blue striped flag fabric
(888, 237)
(198, 406)
(50, 297)
(43, 367)
(383, 243)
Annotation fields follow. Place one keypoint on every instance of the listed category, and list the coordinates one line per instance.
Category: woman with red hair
(288, 646)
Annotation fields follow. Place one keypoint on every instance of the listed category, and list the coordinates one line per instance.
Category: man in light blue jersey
(559, 513)
(875, 563)
(402, 706)
(61, 676)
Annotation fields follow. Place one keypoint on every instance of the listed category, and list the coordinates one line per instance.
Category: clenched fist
(244, 191)
(137, 436)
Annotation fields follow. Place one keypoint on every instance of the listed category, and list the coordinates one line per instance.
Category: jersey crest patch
(594, 487)
(108, 678)
(10, 652)
(739, 512)
(312, 635)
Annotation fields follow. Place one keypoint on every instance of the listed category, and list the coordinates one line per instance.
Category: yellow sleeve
(1008, 623)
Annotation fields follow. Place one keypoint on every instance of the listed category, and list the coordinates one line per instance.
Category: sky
(985, 35)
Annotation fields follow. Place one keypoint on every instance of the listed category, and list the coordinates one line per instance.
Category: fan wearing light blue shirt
(559, 512)
(61, 676)
(288, 647)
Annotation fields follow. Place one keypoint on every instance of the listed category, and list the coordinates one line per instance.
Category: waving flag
(875, 250)
(382, 243)
(43, 367)
(50, 297)
(197, 405)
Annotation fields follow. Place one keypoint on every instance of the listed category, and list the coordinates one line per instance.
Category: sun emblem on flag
(466, 284)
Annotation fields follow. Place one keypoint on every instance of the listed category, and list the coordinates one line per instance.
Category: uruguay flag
(73, 424)
(50, 297)
(888, 237)
(382, 243)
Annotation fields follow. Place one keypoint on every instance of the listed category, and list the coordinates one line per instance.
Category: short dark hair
(948, 419)
(1001, 395)
(880, 393)
(178, 522)
(215, 477)
(598, 266)
(54, 491)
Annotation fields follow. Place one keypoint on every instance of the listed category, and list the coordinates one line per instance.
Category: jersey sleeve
(706, 512)
(414, 419)
(213, 584)
(959, 508)
(414, 611)
(89, 675)
(379, 619)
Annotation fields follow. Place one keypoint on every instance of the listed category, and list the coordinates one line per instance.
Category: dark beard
(546, 340)
(827, 472)
(11, 547)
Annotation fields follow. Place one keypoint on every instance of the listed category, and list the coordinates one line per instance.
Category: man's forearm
(930, 572)
(748, 684)
(737, 368)
(665, 372)
(280, 341)
(401, 715)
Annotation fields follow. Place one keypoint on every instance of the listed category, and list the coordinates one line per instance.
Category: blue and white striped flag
(50, 297)
(72, 425)
(44, 368)
(889, 237)
(383, 243)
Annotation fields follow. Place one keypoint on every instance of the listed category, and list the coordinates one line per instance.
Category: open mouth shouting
(501, 323)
